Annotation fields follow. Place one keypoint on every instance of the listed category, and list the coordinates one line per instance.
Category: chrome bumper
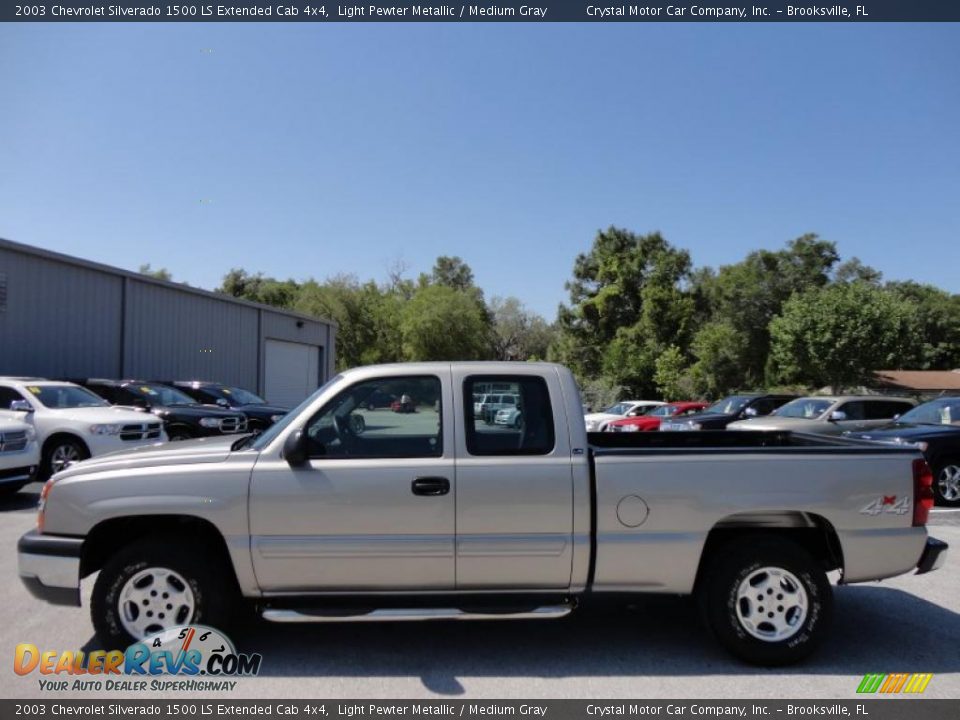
(49, 567)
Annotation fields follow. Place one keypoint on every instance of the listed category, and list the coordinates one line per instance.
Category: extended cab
(434, 514)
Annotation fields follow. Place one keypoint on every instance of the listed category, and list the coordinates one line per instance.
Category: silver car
(830, 414)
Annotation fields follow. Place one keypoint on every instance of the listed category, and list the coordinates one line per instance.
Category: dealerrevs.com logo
(190, 650)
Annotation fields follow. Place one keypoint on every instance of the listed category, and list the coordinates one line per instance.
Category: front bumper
(18, 475)
(933, 557)
(49, 567)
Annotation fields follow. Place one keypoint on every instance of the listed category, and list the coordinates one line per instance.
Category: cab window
(409, 427)
(522, 426)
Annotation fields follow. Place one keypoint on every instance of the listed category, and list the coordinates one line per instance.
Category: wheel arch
(108, 536)
(813, 532)
(64, 433)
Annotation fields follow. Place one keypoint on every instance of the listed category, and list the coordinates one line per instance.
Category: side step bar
(547, 612)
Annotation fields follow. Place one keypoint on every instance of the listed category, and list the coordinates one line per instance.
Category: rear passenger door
(880, 412)
(514, 490)
(856, 417)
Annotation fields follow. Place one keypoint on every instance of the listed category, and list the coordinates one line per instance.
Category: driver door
(373, 509)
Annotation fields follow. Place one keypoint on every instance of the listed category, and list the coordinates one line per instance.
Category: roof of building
(140, 277)
(925, 380)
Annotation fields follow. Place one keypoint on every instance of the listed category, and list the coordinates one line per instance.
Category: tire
(177, 434)
(59, 450)
(946, 482)
(797, 583)
(166, 563)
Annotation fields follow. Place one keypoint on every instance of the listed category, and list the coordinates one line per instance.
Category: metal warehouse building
(61, 316)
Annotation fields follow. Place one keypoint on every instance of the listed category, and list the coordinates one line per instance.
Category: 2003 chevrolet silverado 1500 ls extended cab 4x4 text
(330, 517)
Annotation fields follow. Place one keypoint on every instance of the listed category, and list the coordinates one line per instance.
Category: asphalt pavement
(654, 649)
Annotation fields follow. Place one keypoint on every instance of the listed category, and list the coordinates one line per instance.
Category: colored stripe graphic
(890, 683)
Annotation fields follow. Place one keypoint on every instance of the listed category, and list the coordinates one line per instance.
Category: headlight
(210, 422)
(274, 418)
(921, 446)
(591, 425)
(110, 429)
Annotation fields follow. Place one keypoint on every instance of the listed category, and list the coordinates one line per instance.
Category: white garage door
(292, 371)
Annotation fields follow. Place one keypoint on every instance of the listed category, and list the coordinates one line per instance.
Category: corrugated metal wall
(58, 319)
(65, 317)
(172, 335)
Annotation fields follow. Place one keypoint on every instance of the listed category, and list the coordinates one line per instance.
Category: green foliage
(720, 350)
(839, 335)
(518, 334)
(672, 376)
(441, 323)
(159, 273)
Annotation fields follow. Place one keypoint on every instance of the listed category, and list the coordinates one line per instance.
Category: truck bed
(720, 441)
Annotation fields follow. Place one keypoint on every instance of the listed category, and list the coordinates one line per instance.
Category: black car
(183, 417)
(732, 408)
(260, 414)
(935, 428)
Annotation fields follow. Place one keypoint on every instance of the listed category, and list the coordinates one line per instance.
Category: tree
(440, 323)
(518, 334)
(853, 270)
(719, 349)
(671, 374)
(936, 314)
(839, 335)
(746, 296)
(629, 301)
(159, 273)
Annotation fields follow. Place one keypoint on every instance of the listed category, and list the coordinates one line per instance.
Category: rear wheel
(946, 483)
(156, 584)
(767, 601)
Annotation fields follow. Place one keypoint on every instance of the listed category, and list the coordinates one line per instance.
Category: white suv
(72, 423)
(19, 453)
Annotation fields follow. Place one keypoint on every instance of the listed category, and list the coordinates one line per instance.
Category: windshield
(161, 394)
(618, 409)
(60, 397)
(936, 412)
(806, 408)
(664, 411)
(236, 396)
(729, 405)
(267, 436)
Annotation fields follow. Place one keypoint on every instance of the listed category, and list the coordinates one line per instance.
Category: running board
(547, 612)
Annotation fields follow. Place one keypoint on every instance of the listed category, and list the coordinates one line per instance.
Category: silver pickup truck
(342, 513)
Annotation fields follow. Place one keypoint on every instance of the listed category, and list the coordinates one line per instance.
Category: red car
(651, 421)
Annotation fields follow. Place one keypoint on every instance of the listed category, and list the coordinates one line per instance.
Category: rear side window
(855, 410)
(523, 426)
(886, 409)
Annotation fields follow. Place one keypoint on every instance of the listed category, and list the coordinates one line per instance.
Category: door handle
(430, 486)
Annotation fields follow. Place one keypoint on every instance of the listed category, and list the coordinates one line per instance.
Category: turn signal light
(44, 494)
(922, 492)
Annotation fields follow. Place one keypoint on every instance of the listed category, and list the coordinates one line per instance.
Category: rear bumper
(933, 557)
(49, 567)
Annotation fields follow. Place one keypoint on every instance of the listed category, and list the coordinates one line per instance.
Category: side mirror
(897, 416)
(295, 449)
(140, 403)
(838, 416)
(751, 412)
(21, 406)
(222, 402)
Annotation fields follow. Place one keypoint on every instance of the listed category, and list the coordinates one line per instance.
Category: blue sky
(311, 150)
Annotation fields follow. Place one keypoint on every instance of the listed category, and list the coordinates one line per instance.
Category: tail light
(922, 492)
(44, 494)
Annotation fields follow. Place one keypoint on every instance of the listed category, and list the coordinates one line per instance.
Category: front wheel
(157, 584)
(946, 483)
(767, 601)
(59, 453)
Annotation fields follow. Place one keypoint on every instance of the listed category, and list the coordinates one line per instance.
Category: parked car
(260, 414)
(934, 427)
(597, 422)
(510, 417)
(505, 523)
(829, 414)
(19, 453)
(183, 417)
(492, 403)
(73, 424)
(723, 412)
(651, 421)
(379, 399)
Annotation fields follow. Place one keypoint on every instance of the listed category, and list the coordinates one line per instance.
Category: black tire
(215, 591)
(175, 434)
(57, 447)
(949, 465)
(718, 596)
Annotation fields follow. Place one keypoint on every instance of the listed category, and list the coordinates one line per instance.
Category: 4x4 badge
(887, 504)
